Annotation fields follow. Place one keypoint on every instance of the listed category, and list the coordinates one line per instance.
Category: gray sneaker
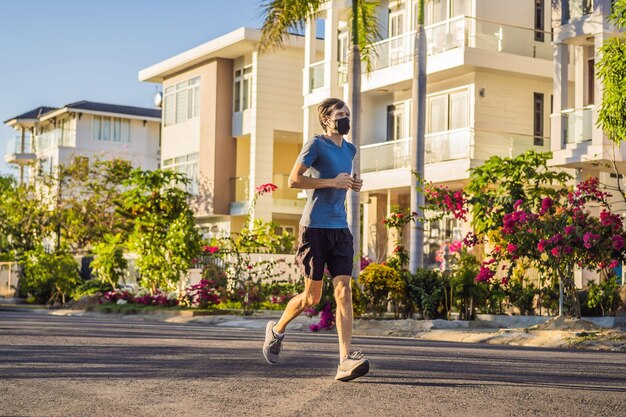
(352, 367)
(272, 345)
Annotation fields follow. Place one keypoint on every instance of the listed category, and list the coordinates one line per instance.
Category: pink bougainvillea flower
(618, 242)
(546, 204)
(517, 204)
(266, 188)
(456, 246)
(511, 248)
(614, 263)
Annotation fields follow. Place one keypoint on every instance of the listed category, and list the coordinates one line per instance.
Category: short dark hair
(326, 108)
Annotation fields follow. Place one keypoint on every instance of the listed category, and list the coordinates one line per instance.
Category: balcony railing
(14, 145)
(449, 146)
(578, 125)
(239, 189)
(465, 32)
(57, 138)
(284, 192)
(580, 8)
(386, 155)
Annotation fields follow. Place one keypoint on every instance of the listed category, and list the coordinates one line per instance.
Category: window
(395, 122)
(111, 129)
(448, 111)
(591, 80)
(538, 119)
(187, 165)
(436, 11)
(242, 94)
(539, 20)
(181, 101)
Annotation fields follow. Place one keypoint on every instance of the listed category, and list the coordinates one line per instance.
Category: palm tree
(284, 15)
(418, 123)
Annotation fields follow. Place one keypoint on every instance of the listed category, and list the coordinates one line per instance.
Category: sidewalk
(596, 338)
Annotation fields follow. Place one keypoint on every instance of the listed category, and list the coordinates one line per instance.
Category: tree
(85, 194)
(283, 15)
(162, 234)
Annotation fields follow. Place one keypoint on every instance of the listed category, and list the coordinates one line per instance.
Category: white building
(51, 136)
(490, 72)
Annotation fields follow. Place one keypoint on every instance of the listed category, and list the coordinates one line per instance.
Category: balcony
(578, 125)
(239, 194)
(453, 145)
(16, 154)
(465, 32)
(285, 197)
(56, 138)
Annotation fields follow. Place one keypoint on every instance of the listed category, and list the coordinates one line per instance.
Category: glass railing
(387, 155)
(316, 76)
(14, 145)
(449, 146)
(392, 51)
(465, 32)
(239, 189)
(580, 8)
(283, 193)
(578, 125)
(61, 138)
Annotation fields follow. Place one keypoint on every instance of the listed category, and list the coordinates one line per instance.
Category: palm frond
(281, 16)
(368, 30)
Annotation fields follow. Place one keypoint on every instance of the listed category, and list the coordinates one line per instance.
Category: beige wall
(209, 134)
(508, 102)
(243, 156)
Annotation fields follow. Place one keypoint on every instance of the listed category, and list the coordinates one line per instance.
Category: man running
(324, 237)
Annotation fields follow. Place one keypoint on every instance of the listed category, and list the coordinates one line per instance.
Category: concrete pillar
(331, 67)
(309, 53)
(598, 137)
(560, 87)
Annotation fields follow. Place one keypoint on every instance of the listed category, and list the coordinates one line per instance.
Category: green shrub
(381, 283)
(522, 297)
(605, 295)
(91, 287)
(49, 276)
(424, 292)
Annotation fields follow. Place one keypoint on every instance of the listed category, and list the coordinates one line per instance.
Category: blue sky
(58, 52)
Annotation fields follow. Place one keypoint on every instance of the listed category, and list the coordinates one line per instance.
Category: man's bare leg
(344, 318)
(308, 298)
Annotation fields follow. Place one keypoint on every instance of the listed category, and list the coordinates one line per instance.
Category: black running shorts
(324, 247)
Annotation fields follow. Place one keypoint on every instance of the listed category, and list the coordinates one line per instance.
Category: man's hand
(357, 183)
(343, 181)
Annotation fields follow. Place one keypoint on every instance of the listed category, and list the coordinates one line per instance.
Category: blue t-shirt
(326, 207)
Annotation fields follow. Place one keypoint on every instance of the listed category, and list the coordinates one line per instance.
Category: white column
(309, 53)
(597, 134)
(331, 67)
(366, 225)
(560, 87)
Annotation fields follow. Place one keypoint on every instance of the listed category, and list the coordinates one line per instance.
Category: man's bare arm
(297, 179)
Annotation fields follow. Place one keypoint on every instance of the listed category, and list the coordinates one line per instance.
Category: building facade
(489, 93)
(232, 120)
(51, 136)
(580, 29)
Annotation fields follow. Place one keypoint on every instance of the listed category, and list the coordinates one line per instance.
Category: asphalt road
(81, 366)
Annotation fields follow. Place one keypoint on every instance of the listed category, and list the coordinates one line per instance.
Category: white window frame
(188, 165)
(448, 95)
(99, 134)
(181, 101)
(242, 89)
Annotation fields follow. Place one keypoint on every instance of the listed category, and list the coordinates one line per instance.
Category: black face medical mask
(342, 126)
